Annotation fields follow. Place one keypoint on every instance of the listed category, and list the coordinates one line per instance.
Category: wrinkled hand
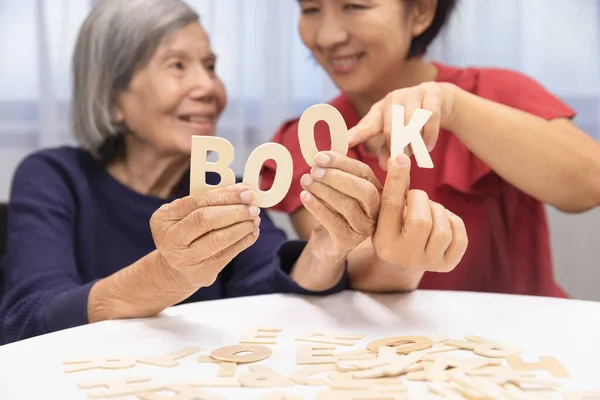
(198, 236)
(435, 97)
(343, 195)
(414, 232)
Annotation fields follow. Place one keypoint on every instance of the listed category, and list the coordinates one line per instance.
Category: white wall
(575, 238)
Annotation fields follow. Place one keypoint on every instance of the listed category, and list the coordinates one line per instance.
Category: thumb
(393, 198)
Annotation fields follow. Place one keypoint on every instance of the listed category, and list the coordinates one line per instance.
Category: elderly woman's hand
(343, 196)
(431, 96)
(198, 236)
(414, 232)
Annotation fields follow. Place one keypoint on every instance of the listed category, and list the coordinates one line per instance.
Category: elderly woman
(501, 146)
(107, 230)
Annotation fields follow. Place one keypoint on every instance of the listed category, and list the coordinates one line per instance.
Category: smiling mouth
(346, 62)
(195, 119)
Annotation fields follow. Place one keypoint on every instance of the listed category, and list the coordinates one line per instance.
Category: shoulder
(512, 88)
(52, 169)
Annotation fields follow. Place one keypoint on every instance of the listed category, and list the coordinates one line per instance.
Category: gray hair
(117, 38)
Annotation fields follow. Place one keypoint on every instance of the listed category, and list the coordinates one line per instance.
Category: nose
(331, 33)
(202, 85)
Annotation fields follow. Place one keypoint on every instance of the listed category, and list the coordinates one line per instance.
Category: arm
(367, 271)
(274, 265)
(561, 161)
(43, 291)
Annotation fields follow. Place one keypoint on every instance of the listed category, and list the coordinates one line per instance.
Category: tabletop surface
(568, 330)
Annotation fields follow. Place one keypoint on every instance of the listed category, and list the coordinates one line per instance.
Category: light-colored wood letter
(403, 135)
(199, 165)
(337, 130)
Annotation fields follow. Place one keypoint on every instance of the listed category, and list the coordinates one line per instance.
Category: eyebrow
(179, 53)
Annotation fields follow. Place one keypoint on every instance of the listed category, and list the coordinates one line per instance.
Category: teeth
(345, 61)
(200, 119)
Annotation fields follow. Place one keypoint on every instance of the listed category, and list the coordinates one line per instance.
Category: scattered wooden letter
(354, 355)
(169, 360)
(331, 338)
(232, 353)
(280, 396)
(98, 363)
(549, 364)
(178, 391)
(316, 354)
(485, 347)
(261, 336)
(221, 382)
(402, 344)
(304, 376)
(263, 377)
(119, 387)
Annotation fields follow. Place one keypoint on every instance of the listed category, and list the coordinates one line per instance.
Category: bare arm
(142, 289)
(553, 161)
(367, 271)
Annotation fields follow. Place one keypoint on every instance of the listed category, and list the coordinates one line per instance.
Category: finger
(331, 221)
(393, 197)
(349, 186)
(419, 223)
(441, 233)
(180, 208)
(216, 241)
(370, 125)
(206, 273)
(354, 167)
(431, 130)
(411, 104)
(460, 241)
(383, 155)
(345, 206)
(207, 219)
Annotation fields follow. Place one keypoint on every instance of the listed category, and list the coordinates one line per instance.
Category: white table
(566, 329)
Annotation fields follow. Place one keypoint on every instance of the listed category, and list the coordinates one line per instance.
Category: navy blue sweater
(70, 223)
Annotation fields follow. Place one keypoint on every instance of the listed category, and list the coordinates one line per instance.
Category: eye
(354, 7)
(309, 10)
(178, 65)
(211, 67)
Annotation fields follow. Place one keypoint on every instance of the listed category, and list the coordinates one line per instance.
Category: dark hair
(419, 44)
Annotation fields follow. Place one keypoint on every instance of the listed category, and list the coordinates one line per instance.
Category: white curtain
(270, 76)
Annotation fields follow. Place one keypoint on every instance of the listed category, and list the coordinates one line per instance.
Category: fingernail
(401, 160)
(322, 159)
(351, 132)
(307, 180)
(306, 196)
(247, 196)
(257, 221)
(254, 211)
(318, 172)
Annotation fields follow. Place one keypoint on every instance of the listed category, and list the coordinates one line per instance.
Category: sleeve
(519, 91)
(287, 136)
(42, 290)
(512, 89)
(264, 267)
